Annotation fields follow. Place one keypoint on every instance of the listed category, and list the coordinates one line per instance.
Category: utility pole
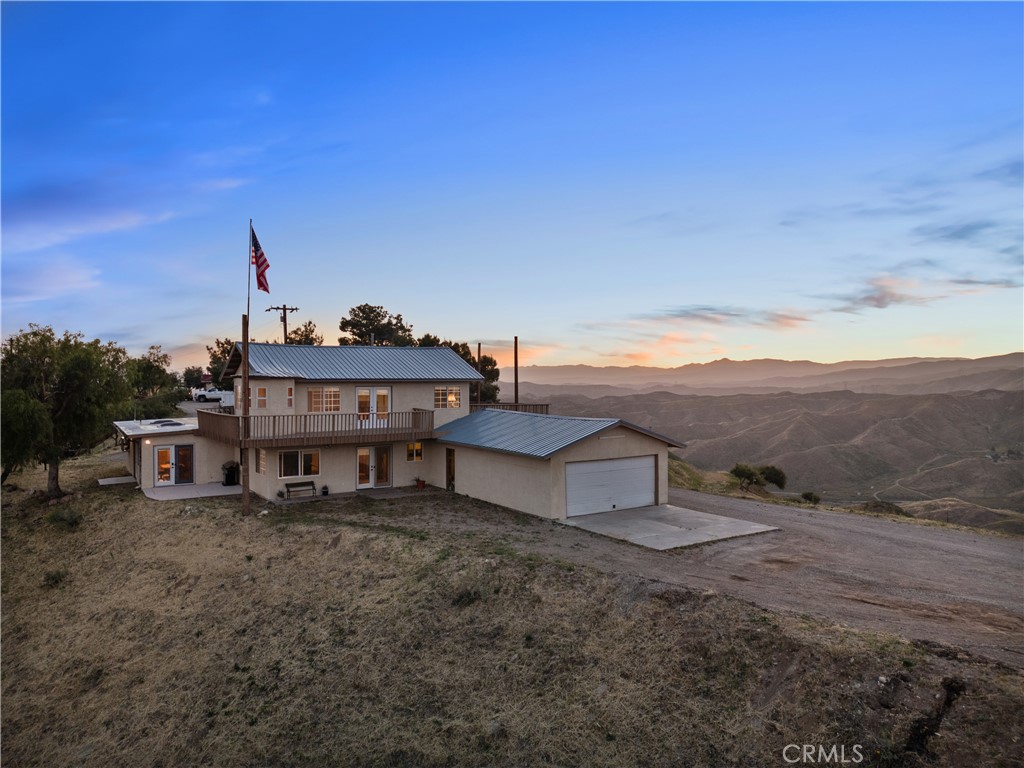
(284, 309)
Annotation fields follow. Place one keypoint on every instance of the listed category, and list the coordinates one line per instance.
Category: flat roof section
(151, 427)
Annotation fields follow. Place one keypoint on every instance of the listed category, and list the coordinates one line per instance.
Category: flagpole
(248, 281)
(244, 433)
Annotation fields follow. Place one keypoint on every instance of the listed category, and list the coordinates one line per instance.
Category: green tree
(150, 374)
(157, 390)
(24, 425)
(367, 322)
(747, 476)
(82, 385)
(219, 354)
(773, 476)
(306, 334)
(193, 376)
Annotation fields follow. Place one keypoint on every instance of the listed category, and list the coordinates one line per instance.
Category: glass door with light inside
(373, 467)
(175, 465)
(373, 404)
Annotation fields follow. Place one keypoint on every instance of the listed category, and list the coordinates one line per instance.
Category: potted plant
(324, 491)
(420, 483)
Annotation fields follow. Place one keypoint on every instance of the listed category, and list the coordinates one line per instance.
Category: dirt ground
(434, 630)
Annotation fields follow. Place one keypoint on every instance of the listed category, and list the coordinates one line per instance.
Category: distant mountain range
(731, 377)
(896, 430)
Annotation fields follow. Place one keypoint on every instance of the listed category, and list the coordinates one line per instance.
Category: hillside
(425, 632)
(725, 377)
(844, 445)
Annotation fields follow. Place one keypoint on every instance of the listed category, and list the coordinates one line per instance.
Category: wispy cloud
(964, 232)
(881, 292)
(22, 236)
(1010, 173)
(26, 281)
(725, 315)
(220, 185)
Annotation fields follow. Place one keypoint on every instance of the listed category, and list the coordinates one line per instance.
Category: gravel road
(927, 583)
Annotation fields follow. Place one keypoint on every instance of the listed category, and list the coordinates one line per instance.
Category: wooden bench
(306, 485)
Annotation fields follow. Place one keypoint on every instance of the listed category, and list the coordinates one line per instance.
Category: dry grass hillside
(845, 445)
(339, 633)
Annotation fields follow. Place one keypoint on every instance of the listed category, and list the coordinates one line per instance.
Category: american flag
(259, 259)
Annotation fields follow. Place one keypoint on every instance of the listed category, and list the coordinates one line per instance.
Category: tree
(24, 424)
(305, 334)
(773, 476)
(219, 354)
(82, 386)
(150, 374)
(747, 476)
(193, 376)
(157, 390)
(367, 323)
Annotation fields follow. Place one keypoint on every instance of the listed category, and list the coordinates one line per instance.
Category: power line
(284, 310)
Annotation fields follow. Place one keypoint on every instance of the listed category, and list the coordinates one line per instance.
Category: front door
(174, 465)
(373, 467)
(449, 469)
(373, 404)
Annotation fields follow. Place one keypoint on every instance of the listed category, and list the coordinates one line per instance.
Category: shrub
(747, 476)
(64, 516)
(810, 497)
(773, 475)
(53, 579)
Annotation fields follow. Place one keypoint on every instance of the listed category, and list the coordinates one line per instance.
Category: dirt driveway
(927, 583)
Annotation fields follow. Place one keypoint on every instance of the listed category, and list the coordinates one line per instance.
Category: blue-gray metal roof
(528, 434)
(352, 363)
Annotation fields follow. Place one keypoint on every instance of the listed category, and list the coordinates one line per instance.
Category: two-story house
(353, 417)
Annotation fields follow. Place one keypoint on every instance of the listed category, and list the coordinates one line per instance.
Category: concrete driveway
(664, 526)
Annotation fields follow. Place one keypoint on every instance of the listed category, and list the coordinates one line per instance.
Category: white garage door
(601, 486)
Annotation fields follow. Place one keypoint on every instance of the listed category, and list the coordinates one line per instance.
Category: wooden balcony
(309, 429)
(520, 407)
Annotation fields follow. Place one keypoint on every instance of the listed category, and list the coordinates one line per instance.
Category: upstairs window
(324, 399)
(261, 397)
(447, 397)
(291, 397)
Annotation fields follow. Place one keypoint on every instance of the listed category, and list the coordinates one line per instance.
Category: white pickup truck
(225, 396)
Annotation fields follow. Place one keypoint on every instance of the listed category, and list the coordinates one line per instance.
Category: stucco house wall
(517, 482)
(338, 468)
(208, 457)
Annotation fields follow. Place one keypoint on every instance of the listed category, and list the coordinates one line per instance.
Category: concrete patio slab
(198, 491)
(117, 480)
(665, 527)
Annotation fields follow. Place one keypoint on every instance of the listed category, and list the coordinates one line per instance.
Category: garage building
(555, 466)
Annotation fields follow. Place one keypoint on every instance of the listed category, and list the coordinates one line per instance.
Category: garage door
(601, 486)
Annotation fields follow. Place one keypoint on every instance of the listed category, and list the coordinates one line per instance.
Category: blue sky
(615, 183)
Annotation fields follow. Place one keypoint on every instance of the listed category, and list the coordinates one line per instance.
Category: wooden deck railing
(316, 428)
(521, 407)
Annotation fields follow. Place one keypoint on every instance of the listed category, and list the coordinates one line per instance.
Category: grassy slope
(953, 512)
(329, 633)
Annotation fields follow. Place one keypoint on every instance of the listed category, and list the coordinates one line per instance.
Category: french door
(174, 465)
(373, 466)
(373, 404)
